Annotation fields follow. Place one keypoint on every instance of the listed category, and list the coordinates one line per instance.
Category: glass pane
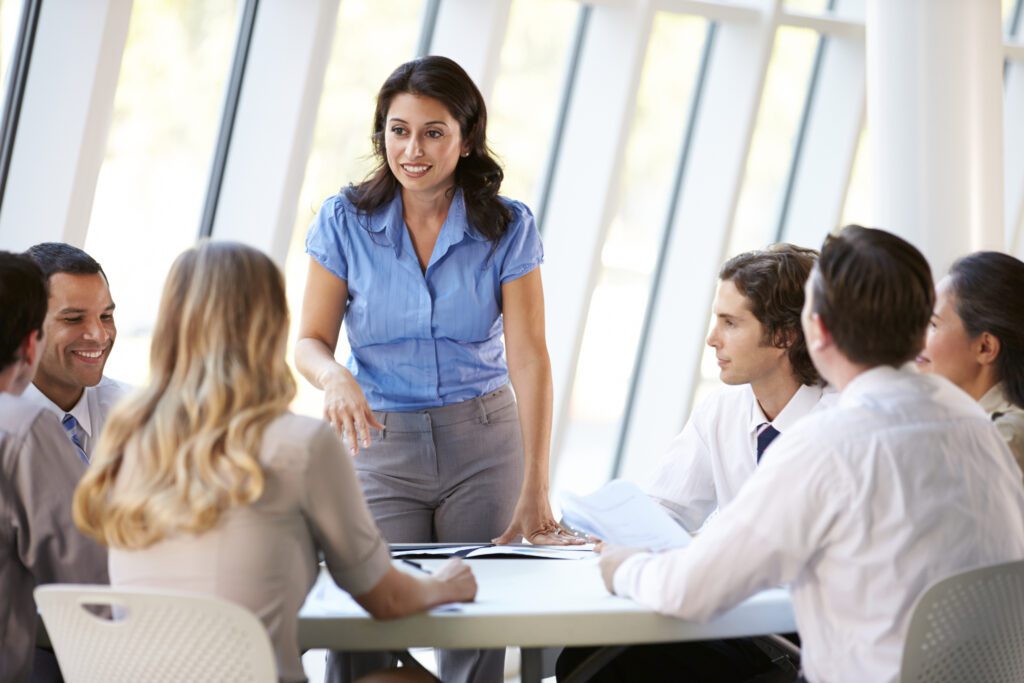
(807, 5)
(857, 208)
(533, 62)
(771, 150)
(629, 255)
(152, 185)
(771, 154)
(10, 16)
(1009, 7)
(341, 152)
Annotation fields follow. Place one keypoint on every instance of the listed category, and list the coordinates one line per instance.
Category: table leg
(530, 664)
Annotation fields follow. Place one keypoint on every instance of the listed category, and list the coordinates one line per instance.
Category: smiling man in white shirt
(861, 506)
(78, 335)
(771, 384)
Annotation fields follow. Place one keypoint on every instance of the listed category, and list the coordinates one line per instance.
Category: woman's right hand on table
(345, 407)
(457, 581)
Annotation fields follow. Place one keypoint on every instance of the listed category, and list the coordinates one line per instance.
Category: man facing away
(39, 470)
(79, 333)
(863, 505)
(762, 356)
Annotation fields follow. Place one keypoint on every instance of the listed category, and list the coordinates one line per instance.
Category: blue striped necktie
(71, 427)
(764, 439)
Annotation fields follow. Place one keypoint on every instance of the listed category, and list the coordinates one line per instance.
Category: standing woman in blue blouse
(430, 269)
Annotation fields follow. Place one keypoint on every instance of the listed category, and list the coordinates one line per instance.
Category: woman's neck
(422, 209)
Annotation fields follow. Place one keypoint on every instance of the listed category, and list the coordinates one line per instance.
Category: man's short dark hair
(58, 257)
(874, 292)
(23, 297)
(773, 281)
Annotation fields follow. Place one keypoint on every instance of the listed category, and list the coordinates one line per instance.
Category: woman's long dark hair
(989, 287)
(478, 174)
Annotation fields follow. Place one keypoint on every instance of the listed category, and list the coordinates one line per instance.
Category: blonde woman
(205, 482)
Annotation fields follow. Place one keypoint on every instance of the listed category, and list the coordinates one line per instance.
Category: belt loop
(483, 409)
(384, 421)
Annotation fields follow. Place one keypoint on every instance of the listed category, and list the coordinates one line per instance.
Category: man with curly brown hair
(771, 383)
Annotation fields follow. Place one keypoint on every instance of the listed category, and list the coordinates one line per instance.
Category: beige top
(265, 556)
(1009, 420)
(39, 469)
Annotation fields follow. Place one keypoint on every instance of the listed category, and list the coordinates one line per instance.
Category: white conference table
(530, 604)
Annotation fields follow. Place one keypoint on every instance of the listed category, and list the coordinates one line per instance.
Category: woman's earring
(465, 154)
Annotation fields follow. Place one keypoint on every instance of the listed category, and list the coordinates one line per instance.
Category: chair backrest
(968, 627)
(154, 636)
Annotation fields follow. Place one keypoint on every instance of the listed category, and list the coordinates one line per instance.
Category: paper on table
(619, 512)
(483, 550)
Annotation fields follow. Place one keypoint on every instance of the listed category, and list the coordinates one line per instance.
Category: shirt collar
(80, 410)
(802, 402)
(994, 401)
(389, 222)
(868, 382)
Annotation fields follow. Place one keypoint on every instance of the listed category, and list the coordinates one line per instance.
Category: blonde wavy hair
(185, 448)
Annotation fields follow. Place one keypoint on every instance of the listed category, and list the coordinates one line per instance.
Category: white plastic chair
(968, 627)
(155, 636)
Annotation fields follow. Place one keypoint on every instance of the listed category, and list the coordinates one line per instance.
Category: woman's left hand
(532, 519)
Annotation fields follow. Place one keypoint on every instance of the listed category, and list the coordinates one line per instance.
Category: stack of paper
(489, 550)
(619, 512)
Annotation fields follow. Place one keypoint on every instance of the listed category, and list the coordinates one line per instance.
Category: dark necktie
(764, 439)
(71, 427)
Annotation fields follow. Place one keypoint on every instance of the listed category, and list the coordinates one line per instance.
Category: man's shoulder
(19, 415)
(24, 422)
(109, 391)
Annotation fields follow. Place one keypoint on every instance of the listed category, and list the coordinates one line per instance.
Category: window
(151, 187)
(532, 70)
(341, 151)
(10, 17)
(605, 364)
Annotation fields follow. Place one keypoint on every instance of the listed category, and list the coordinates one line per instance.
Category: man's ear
(785, 339)
(29, 348)
(986, 348)
(818, 337)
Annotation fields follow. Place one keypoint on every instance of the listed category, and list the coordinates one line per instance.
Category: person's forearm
(316, 362)
(399, 594)
(532, 384)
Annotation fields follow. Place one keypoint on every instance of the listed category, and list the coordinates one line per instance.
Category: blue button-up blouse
(421, 340)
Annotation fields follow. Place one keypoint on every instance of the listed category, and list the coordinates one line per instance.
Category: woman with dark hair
(976, 338)
(432, 271)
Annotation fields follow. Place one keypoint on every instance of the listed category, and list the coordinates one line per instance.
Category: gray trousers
(447, 475)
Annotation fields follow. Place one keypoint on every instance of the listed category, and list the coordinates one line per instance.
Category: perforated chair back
(969, 628)
(154, 636)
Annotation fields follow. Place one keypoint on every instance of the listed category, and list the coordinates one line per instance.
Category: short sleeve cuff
(359, 579)
(523, 269)
(324, 239)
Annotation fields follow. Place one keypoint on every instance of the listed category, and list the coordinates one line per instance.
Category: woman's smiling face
(423, 143)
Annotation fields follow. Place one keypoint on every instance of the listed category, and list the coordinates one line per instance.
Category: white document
(619, 512)
(512, 550)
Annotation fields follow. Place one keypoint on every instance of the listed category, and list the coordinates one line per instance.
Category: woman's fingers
(371, 418)
(349, 433)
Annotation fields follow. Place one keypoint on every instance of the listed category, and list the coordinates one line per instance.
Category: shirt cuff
(627, 573)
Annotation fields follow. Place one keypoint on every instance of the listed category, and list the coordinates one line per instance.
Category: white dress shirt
(859, 508)
(91, 411)
(1008, 418)
(715, 454)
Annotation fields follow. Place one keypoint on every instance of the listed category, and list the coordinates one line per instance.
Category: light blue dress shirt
(421, 340)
